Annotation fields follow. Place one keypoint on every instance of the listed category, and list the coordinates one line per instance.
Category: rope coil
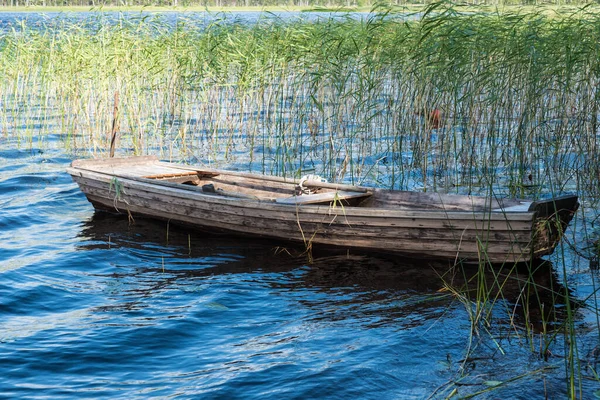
(301, 189)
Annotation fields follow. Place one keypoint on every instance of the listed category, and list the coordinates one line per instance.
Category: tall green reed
(516, 94)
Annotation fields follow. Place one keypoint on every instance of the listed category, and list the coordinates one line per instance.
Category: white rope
(301, 189)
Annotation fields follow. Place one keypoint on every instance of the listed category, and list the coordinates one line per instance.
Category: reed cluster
(445, 102)
(266, 3)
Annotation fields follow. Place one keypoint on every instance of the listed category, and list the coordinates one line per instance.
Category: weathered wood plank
(266, 178)
(493, 250)
(468, 202)
(439, 219)
(385, 197)
(382, 197)
(431, 220)
(322, 197)
(336, 186)
(268, 228)
(293, 234)
(114, 162)
(390, 221)
(375, 226)
(523, 206)
(249, 187)
(170, 175)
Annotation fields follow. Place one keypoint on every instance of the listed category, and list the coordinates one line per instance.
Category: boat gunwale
(321, 209)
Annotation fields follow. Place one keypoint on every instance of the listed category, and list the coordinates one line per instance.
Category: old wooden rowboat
(411, 223)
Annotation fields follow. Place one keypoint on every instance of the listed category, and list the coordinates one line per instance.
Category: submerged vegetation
(505, 104)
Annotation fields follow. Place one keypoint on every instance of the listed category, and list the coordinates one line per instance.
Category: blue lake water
(10, 20)
(95, 306)
(92, 306)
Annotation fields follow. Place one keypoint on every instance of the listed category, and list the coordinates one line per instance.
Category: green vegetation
(514, 95)
(270, 3)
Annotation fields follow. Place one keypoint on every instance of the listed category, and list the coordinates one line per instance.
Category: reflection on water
(93, 306)
(390, 288)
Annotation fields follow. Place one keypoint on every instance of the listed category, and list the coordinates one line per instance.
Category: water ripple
(93, 306)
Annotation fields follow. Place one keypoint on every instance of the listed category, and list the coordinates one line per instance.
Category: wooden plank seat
(322, 197)
(523, 207)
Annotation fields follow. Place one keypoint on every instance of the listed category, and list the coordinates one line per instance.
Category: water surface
(94, 305)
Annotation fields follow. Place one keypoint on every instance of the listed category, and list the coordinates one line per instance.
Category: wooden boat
(315, 212)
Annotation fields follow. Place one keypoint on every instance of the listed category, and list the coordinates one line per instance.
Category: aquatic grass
(331, 94)
(522, 303)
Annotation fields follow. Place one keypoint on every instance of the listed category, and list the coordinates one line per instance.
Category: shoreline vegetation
(287, 5)
(440, 100)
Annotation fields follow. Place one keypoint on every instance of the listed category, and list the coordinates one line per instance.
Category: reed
(449, 102)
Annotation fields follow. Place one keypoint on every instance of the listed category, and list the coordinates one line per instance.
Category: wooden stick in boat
(113, 137)
(270, 178)
(336, 186)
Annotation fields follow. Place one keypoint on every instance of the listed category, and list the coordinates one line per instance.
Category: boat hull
(493, 236)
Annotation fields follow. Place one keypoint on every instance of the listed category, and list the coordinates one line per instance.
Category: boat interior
(271, 190)
(280, 190)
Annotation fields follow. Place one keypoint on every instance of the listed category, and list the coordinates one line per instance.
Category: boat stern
(552, 217)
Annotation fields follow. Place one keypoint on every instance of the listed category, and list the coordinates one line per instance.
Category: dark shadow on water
(198, 253)
(528, 295)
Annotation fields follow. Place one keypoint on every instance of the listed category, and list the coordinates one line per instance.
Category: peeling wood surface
(323, 197)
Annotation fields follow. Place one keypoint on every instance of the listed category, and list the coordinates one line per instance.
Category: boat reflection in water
(376, 289)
